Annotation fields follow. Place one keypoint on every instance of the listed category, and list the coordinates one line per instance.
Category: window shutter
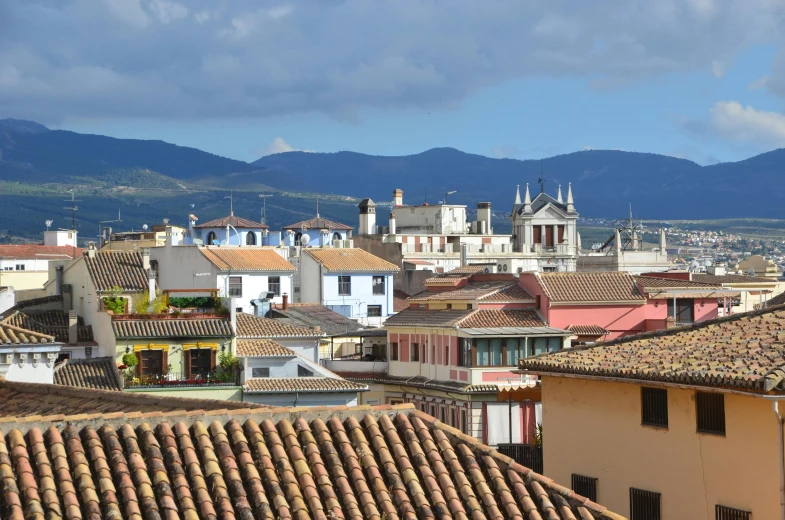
(187, 356)
(213, 356)
(139, 364)
(165, 362)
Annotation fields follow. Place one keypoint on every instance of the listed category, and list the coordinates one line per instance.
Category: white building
(230, 230)
(27, 356)
(25, 267)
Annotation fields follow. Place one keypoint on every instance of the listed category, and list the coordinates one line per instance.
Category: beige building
(760, 266)
(679, 424)
(156, 236)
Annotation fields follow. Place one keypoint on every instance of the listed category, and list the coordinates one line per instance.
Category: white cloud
(205, 16)
(505, 152)
(129, 11)
(278, 145)
(717, 68)
(167, 12)
(743, 125)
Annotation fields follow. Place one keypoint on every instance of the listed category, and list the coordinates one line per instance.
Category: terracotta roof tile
(588, 330)
(732, 278)
(777, 300)
(496, 291)
(655, 282)
(318, 223)
(250, 326)
(743, 351)
(262, 348)
(427, 317)
(33, 302)
(38, 251)
(100, 373)
(172, 328)
(458, 273)
(13, 335)
(490, 318)
(246, 259)
(350, 259)
(124, 269)
(606, 287)
(53, 323)
(399, 300)
(233, 221)
(282, 385)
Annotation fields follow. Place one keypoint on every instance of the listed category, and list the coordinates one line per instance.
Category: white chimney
(397, 198)
(233, 314)
(150, 285)
(464, 253)
(392, 224)
(73, 328)
(146, 258)
(484, 216)
(91, 250)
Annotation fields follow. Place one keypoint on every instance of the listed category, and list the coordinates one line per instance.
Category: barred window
(644, 505)
(728, 513)
(654, 407)
(710, 410)
(586, 486)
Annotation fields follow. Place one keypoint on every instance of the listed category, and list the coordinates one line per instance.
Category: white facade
(60, 237)
(439, 219)
(255, 286)
(29, 364)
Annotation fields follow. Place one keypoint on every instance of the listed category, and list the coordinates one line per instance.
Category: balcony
(528, 455)
(181, 380)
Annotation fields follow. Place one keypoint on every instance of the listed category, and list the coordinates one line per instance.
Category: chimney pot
(146, 258)
(285, 298)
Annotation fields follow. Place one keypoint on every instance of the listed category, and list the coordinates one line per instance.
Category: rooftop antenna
(73, 207)
(449, 193)
(101, 228)
(48, 224)
(541, 180)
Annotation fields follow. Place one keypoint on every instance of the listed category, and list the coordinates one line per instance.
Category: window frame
(647, 497)
(274, 285)
(232, 284)
(254, 369)
(250, 238)
(344, 282)
(716, 416)
(464, 352)
(394, 352)
(651, 395)
(375, 307)
(379, 289)
(585, 486)
(414, 352)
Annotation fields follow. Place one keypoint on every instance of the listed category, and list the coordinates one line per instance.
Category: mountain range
(605, 183)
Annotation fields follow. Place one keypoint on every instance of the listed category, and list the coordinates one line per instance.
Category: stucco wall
(309, 399)
(223, 393)
(177, 267)
(620, 320)
(594, 429)
(254, 285)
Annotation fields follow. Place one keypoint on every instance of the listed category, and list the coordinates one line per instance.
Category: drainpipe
(781, 460)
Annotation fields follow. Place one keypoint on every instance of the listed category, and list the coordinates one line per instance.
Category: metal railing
(180, 380)
(527, 455)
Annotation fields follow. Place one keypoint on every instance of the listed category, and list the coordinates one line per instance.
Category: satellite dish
(166, 221)
(49, 224)
(144, 227)
(304, 239)
(751, 272)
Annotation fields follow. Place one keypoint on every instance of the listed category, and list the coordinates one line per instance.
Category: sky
(699, 79)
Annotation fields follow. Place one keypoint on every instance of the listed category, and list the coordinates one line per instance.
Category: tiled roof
(38, 251)
(13, 335)
(350, 259)
(456, 274)
(654, 282)
(262, 348)
(427, 318)
(246, 259)
(588, 330)
(110, 268)
(731, 278)
(42, 400)
(317, 315)
(172, 328)
(496, 291)
(100, 373)
(233, 221)
(318, 223)
(605, 287)
(487, 318)
(777, 300)
(399, 300)
(353, 463)
(290, 385)
(53, 323)
(33, 302)
(250, 326)
(743, 351)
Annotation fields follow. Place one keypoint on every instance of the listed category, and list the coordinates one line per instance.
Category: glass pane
(512, 351)
(555, 344)
(482, 353)
(496, 352)
(540, 345)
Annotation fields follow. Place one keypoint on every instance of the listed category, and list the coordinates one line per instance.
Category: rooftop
(99, 373)
(233, 221)
(246, 259)
(52, 323)
(743, 351)
(361, 462)
(316, 315)
(250, 326)
(600, 287)
(732, 278)
(165, 327)
(38, 252)
(351, 260)
(318, 223)
(291, 385)
(450, 277)
(262, 348)
(492, 291)
(110, 268)
(13, 335)
(33, 302)
(485, 321)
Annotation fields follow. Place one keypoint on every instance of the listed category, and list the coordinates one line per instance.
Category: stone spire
(570, 203)
(558, 196)
(518, 194)
(527, 201)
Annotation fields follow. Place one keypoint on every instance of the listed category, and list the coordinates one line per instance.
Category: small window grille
(654, 407)
(710, 410)
(728, 513)
(586, 486)
(644, 505)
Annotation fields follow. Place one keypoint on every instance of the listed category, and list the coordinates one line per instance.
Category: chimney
(91, 250)
(169, 237)
(59, 280)
(233, 314)
(617, 242)
(285, 298)
(397, 198)
(663, 244)
(464, 252)
(484, 216)
(392, 224)
(150, 285)
(367, 217)
(146, 258)
(73, 336)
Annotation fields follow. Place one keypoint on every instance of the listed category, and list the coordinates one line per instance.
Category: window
(516, 349)
(250, 238)
(483, 357)
(20, 267)
(260, 372)
(303, 372)
(682, 313)
(442, 416)
(236, 286)
(542, 345)
(415, 352)
(586, 486)
(345, 285)
(711, 413)
(465, 353)
(298, 239)
(274, 285)
(378, 285)
(449, 306)
(464, 422)
(200, 362)
(394, 351)
(551, 269)
(62, 357)
(374, 311)
(151, 362)
(496, 352)
(446, 358)
(644, 505)
(453, 417)
(654, 407)
(211, 238)
(728, 513)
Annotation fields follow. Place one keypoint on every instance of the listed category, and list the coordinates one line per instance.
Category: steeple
(558, 196)
(527, 201)
(518, 194)
(570, 203)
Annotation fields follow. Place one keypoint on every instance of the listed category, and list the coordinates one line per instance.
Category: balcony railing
(527, 455)
(182, 380)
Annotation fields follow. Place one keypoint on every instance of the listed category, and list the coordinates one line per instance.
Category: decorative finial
(518, 194)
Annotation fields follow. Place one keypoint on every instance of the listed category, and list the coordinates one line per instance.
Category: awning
(520, 392)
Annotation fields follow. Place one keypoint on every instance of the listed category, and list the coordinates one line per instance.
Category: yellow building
(675, 424)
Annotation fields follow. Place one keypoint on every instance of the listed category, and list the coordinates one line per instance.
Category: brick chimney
(285, 303)
(73, 336)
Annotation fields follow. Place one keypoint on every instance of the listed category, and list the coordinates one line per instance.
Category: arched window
(211, 238)
(336, 236)
(297, 238)
(250, 238)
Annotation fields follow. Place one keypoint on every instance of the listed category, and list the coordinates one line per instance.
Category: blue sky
(697, 79)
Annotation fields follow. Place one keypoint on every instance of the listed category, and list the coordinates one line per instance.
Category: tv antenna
(49, 224)
(541, 180)
(74, 208)
(264, 208)
(449, 193)
(101, 228)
